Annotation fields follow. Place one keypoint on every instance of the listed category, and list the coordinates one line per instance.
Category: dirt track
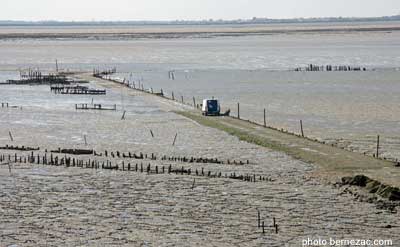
(330, 159)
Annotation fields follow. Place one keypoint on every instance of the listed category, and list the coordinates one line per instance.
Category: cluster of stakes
(261, 224)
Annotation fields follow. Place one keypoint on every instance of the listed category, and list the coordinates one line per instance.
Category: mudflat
(56, 205)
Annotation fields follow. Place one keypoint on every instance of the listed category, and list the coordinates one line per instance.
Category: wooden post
(194, 102)
(173, 97)
(11, 137)
(173, 144)
(238, 110)
(84, 137)
(265, 118)
(123, 116)
(151, 132)
(301, 128)
(377, 147)
(182, 98)
(194, 182)
(259, 218)
(263, 227)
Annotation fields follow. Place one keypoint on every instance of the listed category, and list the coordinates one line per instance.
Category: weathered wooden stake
(151, 132)
(11, 137)
(301, 128)
(265, 118)
(377, 147)
(176, 135)
(194, 182)
(263, 227)
(123, 116)
(238, 110)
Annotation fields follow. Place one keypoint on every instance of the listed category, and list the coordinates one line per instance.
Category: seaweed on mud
(372, 186)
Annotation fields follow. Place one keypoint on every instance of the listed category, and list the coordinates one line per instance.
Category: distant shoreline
(188, 31)
(254, 20)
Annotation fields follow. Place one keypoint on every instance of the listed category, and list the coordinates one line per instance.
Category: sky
(114, 10)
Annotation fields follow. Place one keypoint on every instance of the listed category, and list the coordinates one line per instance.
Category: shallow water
(279, 51)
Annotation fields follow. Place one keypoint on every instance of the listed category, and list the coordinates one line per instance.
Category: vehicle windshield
(212, 105)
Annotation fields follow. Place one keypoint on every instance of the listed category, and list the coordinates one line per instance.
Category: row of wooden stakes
(108, 165)
(131, 155)
(152, 156)
(18, 148)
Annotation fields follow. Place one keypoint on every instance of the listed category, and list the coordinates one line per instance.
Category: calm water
(252, 70)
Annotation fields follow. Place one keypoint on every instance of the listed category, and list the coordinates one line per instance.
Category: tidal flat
(48, 205)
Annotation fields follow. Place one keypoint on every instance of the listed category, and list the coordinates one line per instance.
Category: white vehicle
(210, 107)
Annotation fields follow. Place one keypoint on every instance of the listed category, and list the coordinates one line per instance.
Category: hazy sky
(190, 9)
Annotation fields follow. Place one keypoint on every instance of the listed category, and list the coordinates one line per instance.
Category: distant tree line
(254, 20)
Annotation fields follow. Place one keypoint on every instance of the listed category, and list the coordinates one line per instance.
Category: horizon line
(321, 18)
